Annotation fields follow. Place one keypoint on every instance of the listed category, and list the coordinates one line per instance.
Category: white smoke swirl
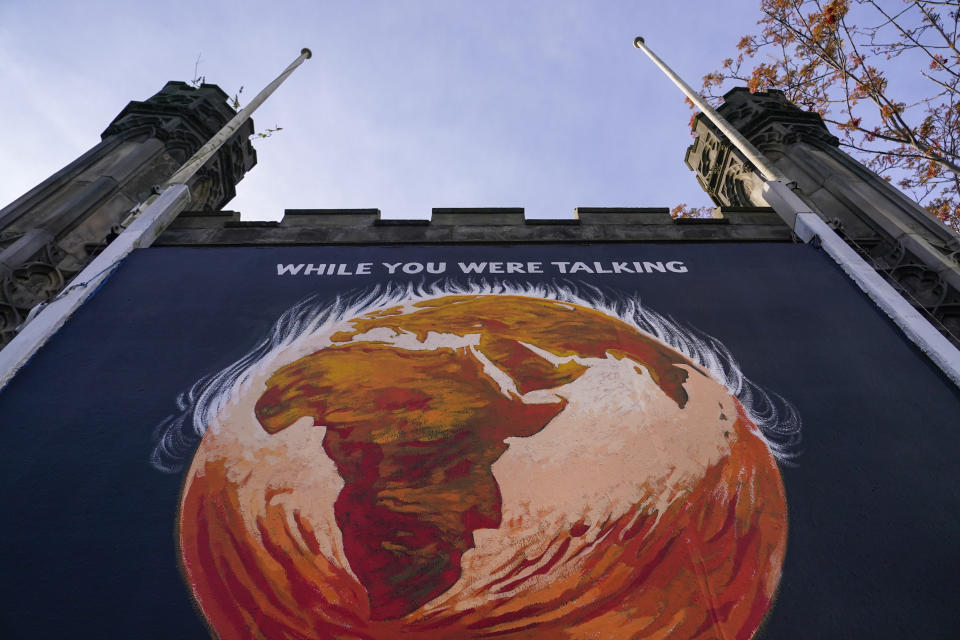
(177, 437)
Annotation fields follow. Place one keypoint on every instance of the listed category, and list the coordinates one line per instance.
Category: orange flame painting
(482, 466)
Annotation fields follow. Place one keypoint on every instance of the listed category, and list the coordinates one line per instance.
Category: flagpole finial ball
(638, 41)
(306, 51)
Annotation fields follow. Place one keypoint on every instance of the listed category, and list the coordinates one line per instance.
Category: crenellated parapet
(474, 226)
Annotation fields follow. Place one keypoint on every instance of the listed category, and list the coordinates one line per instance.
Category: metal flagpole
(767, 170)
(145, 222)
(809, 226)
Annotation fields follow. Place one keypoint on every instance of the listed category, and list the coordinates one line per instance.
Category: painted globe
(485, 466)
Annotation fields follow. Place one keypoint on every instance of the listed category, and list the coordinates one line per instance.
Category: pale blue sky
(406, 105)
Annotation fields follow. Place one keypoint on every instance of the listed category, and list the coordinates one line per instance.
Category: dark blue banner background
(88, 543)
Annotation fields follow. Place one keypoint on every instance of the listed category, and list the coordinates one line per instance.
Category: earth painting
(482, 466)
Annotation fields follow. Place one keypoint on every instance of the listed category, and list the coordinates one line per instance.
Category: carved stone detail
(800, 145)
(722, 172)
(184, 118)
(39, 280)
(925, 289)
(181, 118)
(32, 284)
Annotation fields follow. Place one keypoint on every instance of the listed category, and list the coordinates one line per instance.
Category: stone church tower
(900, 239)
(50, 233)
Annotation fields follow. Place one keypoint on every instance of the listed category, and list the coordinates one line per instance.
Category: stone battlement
(475, 225)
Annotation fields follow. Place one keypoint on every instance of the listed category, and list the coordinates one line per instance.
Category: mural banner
(451, 442)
